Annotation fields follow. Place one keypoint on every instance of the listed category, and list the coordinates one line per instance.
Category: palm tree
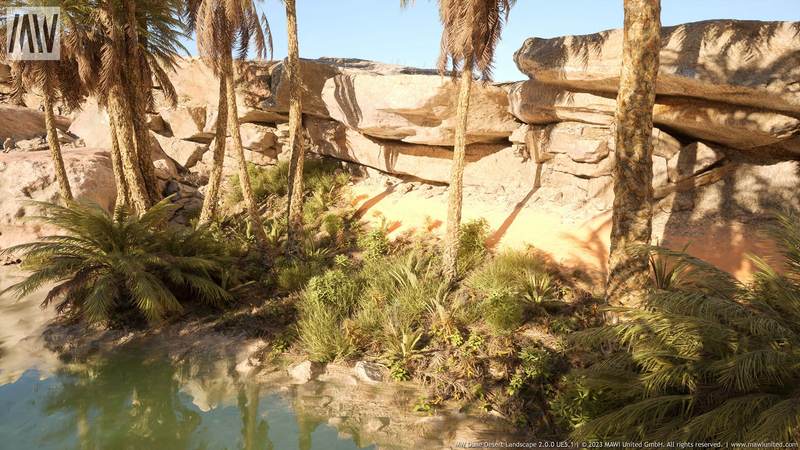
(144, 61)
(222, 26)
(121, 49)
(56, 81)
(471, 31)
(633, 173)
(297, 160)
(119, 105)
(106, 268)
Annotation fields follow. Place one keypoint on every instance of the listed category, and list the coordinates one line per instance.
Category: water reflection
(133, 399)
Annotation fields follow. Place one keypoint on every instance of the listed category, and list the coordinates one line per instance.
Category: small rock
(369, 372)
(305, 371)
(376, 424)
(336, 421)
(172, 187)
(8, 144)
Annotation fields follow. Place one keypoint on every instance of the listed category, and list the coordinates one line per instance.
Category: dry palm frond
(472, 30)
(224, 26)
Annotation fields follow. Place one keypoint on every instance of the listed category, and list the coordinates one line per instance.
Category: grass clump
(326, 303)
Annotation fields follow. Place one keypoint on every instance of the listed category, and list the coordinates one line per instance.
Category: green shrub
(711, 361)
(328, 300)
(472, 244)
(536, 364)
(293, 275)
(125, 269)
(266, 182)
(374, 244)
(503, 311)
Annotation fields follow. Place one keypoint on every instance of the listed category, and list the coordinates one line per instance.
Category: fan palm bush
(710, 360)
(124, 268)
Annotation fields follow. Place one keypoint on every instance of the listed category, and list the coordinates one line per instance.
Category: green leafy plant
(374, 243)
(326, 303)
(503, 311)
(123, 269)
(669, 270)
(712, 361)
(472, 244)
(536, 363)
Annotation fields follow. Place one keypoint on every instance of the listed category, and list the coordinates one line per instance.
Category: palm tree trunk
(119, 112)
(135, 87)
(211, 200)
(123, 197)
(52, 142)
(456, 191)
(244, 176)
(297, 159)
(633, 173)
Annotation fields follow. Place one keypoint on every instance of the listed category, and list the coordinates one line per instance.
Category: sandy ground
(576, 239)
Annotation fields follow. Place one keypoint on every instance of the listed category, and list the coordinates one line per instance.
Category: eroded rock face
(748, 63)
(26, 176)
(392, 102)
(487, 164)
(737, 127)
(19, 123)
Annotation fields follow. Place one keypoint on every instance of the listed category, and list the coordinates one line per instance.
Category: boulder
(188, 123)
(737, 127)
(305, 371)
(257, 138)
(581, 142)
(197, 85)
(91, 125)
(563, 163)
(185, 153)
(748, 63)
(20, 123)
(692, 160)
(156, 123)
(26, 176)
(392, 102)
(231, 165)
(487, 164)
(369, 372)
(418, 109)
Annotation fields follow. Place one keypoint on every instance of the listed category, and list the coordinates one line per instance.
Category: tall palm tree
(118, 104)
(633, 173)
(144, 40)
(297, 160)
(471, 31)
(55, 81)
(138, 77)
(222, 26)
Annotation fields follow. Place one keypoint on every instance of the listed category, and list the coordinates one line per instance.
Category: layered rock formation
(726, 142)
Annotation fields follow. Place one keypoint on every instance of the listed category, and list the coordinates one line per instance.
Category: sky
(380, 30)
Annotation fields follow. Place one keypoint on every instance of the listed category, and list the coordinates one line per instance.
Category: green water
(138, 397)
(134, 400)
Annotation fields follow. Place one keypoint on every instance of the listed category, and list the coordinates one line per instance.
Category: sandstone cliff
(727, 138)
